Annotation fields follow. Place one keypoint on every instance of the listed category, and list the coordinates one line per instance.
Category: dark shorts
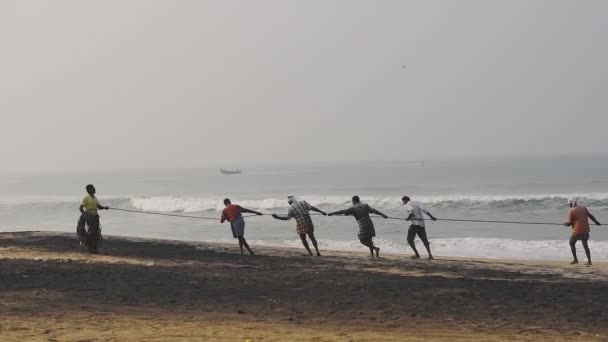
(417, 230)
(582, 237)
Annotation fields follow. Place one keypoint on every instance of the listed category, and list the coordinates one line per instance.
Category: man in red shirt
(578, 219)
(233, 214)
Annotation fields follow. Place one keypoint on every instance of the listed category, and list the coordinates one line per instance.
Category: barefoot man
(300, 210)
(578, 219)
(415, 211)
(233, 214)
(367, 231)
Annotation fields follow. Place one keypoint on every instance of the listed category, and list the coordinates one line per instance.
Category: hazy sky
(123, 84)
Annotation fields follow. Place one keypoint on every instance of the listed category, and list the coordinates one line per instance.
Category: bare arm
(245, 210)
(282, 218)
(428, 213)
(374, 211)
(340, 212)
(594, 220)
(101, 207)
(318, 210)
(81, 209)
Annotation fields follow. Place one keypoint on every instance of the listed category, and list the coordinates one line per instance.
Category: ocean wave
(194, 204)
(496, 202)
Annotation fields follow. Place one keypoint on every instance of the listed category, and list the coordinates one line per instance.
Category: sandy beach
(153, 290)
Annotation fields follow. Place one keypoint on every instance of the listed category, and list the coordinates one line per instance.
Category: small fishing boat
(231, 172)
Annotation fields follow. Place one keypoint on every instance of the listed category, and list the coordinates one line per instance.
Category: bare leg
(314, 243)
(305, 243)
(370, 244)
(422, 234)
(428, 249)
(411, 243)
(241, 246)
(573, 248)
(587, 251)
(243, 242)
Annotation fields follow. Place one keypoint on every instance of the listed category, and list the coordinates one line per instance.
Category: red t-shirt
(231, 212)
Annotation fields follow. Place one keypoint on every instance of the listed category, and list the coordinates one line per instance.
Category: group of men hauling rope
(89, 227)
(300, 210)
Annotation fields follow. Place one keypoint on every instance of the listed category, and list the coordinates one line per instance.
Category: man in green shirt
(90, 218)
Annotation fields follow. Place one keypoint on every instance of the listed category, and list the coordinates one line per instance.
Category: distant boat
(231, 172)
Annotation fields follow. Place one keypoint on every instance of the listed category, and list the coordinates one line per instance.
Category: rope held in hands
(172, 215)
(485, 221)
(391, 218)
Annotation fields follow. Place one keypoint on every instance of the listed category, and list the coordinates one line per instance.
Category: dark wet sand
(153, 290)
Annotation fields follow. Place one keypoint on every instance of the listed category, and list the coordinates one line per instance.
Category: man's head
(90, 189)
(291, 200)
(405, 200)
(356, 199)
(227, 202)
(572, 202)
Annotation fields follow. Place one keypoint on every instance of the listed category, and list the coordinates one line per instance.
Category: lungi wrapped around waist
(304, 225)
(366, 228)
(88, 219)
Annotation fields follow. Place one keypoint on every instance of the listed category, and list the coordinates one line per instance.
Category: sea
(504, 189)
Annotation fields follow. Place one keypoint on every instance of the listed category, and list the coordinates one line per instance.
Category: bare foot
(318, 254)
(574, 262)
(377, 252)
(415, 257)
(588, 263)
(431, 257)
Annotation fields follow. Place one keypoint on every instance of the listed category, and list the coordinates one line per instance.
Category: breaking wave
(177, 204)
(495, 202)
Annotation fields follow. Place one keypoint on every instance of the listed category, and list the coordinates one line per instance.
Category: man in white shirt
(415, 211)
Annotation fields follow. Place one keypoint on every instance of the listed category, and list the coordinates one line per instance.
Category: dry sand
(152, 290)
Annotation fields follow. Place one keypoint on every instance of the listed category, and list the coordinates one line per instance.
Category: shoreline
(165, 290)
(597, 251)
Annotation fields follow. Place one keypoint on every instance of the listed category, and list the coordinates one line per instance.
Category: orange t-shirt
(579, 218)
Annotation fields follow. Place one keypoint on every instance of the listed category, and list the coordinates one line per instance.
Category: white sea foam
(532, 202)
(490, 248)
(214, 203)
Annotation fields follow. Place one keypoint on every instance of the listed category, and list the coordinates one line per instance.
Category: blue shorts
(238, 227)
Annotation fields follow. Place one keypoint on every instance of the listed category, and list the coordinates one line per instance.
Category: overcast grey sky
(123, 84)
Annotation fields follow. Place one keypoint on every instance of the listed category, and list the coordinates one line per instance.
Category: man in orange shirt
(232, 213)
(578, 219)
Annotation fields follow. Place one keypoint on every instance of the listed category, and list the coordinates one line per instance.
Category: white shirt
(415, 209)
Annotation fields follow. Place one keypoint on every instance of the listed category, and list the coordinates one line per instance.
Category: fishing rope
(173, 215)
(318, 214)
(482, 221)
